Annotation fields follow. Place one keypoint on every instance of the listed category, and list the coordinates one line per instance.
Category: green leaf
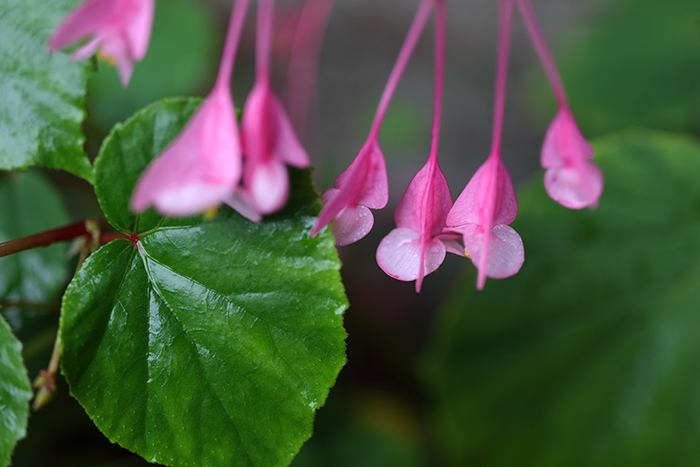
(205, 343)
(639, 65)
(590, 356)
(182, 56)
(15, 393)
(30, 205)
(42, 95)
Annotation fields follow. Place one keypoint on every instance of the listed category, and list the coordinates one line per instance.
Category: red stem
(47, 238)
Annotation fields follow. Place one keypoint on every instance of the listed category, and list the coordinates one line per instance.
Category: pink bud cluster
(210, 162)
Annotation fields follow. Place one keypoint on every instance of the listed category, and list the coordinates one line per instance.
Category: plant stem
(47, 238)
(409, 44)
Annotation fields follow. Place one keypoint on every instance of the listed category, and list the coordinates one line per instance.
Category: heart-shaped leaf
(42, 103)
(590, 356)
(15, 392)
(204, 343)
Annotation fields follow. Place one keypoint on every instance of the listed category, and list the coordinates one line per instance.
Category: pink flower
(418, 245)
(363, 184)
(487, 205)
(482, 214)
(202, 166)
(199, 168)
(571, 179)
(269, 141)
(120, 29)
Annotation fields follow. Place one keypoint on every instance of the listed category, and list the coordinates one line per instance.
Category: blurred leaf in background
(590, 356)
(181, 57)
(639, 65)
(32, 279)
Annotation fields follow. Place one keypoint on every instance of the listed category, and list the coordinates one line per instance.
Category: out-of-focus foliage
(639, 65)
(42, 105)
(30, 204)
(590, 356)
(179, 62)
(207, 343)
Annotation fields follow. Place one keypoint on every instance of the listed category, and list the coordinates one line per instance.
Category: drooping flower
(488, 204)
(199, 168)
(418, 244)
(482, 214)
(119, 29)
(363, 185)
(202, 165)
(269, 141)
(571, 179)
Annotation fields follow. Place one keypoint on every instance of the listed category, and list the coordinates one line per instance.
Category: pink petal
(366, 177)
(88, 18)
(138, 30)
(240, 202)
(267, 132)
(117, 50)
(571, 178)
(489, 197)
(424, 206)
(200, 167)
(399, 255)
(564, 144)
(575, 187)
(453, 246)
(352, 224)
(121, 28)
(364, 183)
(267, 184)
(505, 253)
(288, 147)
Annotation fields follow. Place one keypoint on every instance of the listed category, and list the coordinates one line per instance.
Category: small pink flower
(120, 29)
(199, 168)
(482, 214)
(202, 166)
(418, 245)
(571, 179)
(363, 185)
(269, 143)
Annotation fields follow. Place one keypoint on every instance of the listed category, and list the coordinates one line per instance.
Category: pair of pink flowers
(428, 224)
(207, 163)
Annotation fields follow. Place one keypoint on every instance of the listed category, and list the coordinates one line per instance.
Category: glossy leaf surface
(206, 343)
(30, 205)
(15, 392)
(590, 356)
(42, 95)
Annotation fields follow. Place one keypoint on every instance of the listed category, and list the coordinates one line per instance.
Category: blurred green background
(590, 356)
